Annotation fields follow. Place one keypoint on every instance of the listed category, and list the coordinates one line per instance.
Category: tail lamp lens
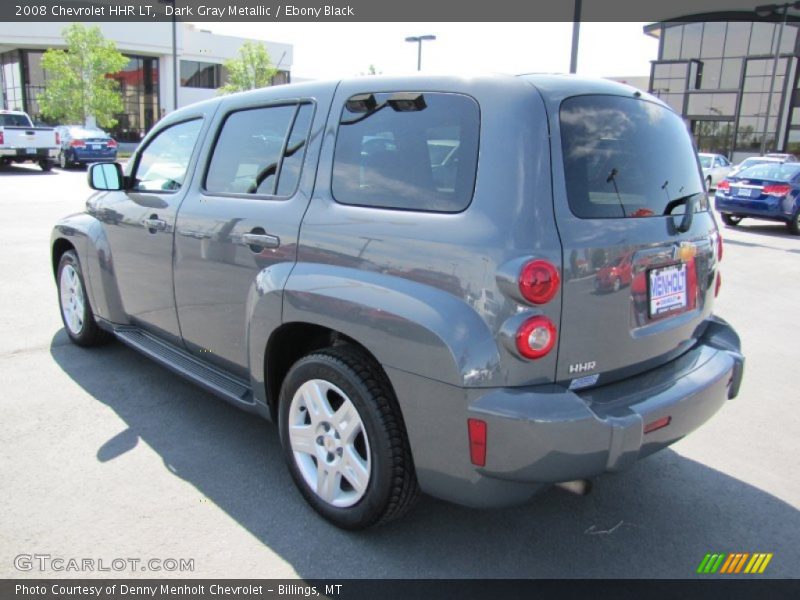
(77, 144)
(2, 140)
(538, 281)
(477, 441)
(536, 337)
(718, 284)
(719, 248)
(723, 186)
(778, 190)
(58, 139)
(111, 144)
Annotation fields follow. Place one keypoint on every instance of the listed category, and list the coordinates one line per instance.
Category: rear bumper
(547, 434)
(22, 154)
(84, 156)
(773, 209)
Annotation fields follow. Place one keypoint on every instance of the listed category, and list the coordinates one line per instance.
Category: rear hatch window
(620, 158)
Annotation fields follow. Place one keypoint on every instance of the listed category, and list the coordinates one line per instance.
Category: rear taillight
(778, 189)
(724, 186)
(538, 281)
(2, 140)
(536, 337)
(718, 284)
(477, 441)
(77, 144)
(58, 139)
(112, 144)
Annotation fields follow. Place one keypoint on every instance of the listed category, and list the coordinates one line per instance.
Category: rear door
(624, 176)
(241, 219)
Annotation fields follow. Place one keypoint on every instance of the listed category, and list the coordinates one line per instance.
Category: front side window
(410, 151)
(625, 157)
(247, 155)
(163, 163)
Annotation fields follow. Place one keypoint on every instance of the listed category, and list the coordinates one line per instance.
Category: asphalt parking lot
(106, 455)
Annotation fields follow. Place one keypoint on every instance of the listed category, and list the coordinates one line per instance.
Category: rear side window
(419, 155)
(625, 157)
(252, 147)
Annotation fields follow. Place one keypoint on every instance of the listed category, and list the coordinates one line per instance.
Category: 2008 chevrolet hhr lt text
(472, 287)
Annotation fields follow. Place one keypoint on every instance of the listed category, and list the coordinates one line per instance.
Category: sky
(335, 50)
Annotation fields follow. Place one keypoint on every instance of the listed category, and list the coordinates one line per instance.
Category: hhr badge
(582, 367)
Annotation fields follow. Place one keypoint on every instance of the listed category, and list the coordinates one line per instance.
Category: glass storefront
(718, 76)
(22, 79)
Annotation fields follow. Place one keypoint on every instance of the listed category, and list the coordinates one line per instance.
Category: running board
(181, 362)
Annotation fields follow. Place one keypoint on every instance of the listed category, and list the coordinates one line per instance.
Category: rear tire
(708, 184)
(76, 312)
(344, 439)
(731, 220)
(794, 224)
(45, 165)
(63, 160)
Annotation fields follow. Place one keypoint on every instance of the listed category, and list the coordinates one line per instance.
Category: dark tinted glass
(14, 121)
(625, 157)
(295, 152)
(415, 160)
(247, 153)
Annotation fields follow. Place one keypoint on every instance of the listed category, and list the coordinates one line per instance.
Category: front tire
(344, 439)
(45, 165)
(63, 160)
(731, 220)
(76, 312)
(708, 184)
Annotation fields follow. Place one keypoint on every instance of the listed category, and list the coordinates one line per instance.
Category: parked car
(616, 274)
(406, 332)
(765, 191)
(82, 145)
(21, 141)
(755, 160)
(715, 168)
(782, 156)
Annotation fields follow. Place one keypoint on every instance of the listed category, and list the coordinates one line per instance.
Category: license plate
(96, 146)
(667, 290)
(744, 192)
(30, 150)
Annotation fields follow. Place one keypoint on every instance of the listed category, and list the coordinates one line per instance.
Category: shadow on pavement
(656, 520)
(29, 170)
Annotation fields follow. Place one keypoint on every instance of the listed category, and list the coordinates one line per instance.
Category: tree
(372, 71)
(78, 87)
(251, 70)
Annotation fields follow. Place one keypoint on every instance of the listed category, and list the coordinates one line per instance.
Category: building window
(11, 79)
(196, 74)
(138, 88)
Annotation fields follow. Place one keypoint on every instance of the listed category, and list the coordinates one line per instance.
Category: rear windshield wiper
(690, 201)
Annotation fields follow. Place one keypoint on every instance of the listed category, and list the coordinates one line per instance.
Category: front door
(239, 224)
(140, 222)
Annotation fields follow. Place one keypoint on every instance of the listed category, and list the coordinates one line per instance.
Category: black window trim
(397, 208)
(153, 137)
(297, 103)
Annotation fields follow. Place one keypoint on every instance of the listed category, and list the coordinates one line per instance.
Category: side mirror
(106, 177)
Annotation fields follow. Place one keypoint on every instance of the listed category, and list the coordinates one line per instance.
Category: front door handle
(154, 224)
(260, 240)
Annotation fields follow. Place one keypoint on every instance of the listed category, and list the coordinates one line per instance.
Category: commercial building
(146, 82)
(718, 74)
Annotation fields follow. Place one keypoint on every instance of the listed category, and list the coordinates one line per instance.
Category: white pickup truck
(20, 141)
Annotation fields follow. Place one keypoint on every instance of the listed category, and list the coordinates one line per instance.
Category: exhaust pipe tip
(580, 487)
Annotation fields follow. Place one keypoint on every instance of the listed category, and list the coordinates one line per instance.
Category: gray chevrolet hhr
(472, 287)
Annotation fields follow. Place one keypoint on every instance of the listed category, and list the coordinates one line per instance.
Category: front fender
(406, 325)
(85, 233)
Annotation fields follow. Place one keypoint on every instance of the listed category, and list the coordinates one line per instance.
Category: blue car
(81, 145)
(768, 191)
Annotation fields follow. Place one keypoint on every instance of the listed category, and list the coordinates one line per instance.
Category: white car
(755, 160)
(715, 168)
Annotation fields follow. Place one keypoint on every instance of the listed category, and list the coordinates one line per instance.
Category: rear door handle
(154, 224)
(261, 240)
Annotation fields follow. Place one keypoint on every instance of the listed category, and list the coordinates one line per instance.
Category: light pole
(419, 39)
(576, 30)
(765, 10)
(174, 53)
